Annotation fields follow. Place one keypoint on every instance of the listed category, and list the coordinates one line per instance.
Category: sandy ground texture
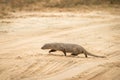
(22, 36)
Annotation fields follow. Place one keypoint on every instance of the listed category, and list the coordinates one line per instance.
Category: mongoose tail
(95, 55)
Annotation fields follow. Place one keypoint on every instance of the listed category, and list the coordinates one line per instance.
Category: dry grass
(7, 6)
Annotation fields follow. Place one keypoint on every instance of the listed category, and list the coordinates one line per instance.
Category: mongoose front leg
(64, 52)
(52, 50)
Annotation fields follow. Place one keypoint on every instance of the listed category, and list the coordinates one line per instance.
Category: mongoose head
(46, 46)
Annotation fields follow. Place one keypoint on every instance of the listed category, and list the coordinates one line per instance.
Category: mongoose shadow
(68, 56)
(74, 49)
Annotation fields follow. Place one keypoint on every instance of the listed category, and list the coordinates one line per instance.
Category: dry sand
(21, 38)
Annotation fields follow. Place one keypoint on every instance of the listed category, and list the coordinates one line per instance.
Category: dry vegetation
(7, 6)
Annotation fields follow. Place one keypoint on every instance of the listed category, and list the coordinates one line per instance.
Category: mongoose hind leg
(52, 50)
(85, 55)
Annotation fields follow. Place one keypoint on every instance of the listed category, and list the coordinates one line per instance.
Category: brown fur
(70, 48)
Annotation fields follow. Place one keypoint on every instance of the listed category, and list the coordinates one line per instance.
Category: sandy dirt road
(22, 37)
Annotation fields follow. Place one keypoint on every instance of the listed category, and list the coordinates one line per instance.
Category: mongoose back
(74, 49)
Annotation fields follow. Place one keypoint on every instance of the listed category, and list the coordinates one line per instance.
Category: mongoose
(74, 49)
